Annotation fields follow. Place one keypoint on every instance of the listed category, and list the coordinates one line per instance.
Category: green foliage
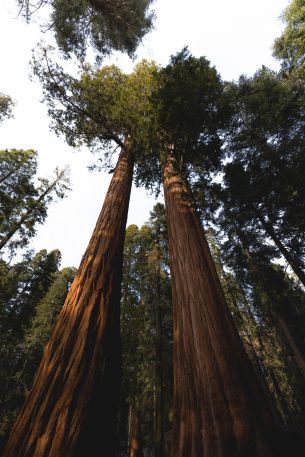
(32, 294)
(290, 46)
(265, 142)
(104, 24)
(181, 105)
(6, 105)
(104, 107)
(255, 289)
(23, 202)
(22, 286)
(189, 98)
(145, 293)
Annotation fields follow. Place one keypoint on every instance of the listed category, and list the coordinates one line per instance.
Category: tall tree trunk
(219, 405)
(279, 401)
(248, 336)
(283, 250)
(288, 337)
(71, 409)
(158, 406)
(278, 319)
(135, 445)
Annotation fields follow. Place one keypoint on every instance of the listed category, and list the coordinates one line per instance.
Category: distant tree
(290, 46)
(24, 203)
(265, 143)
(265, 308)
(40, 329)
(23, 286)
(146, 335)
(6, 104)
(104, 24)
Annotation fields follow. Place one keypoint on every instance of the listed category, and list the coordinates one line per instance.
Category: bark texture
(158, 406)
(135, 446)
(71, 409)
(219, 405)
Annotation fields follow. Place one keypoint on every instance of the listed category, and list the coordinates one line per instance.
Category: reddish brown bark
(71, 409)
(135, 446)
(219, 405)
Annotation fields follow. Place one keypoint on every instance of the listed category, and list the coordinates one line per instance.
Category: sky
(236, 36)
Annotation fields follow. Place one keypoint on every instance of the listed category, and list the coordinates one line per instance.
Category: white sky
(236, 36)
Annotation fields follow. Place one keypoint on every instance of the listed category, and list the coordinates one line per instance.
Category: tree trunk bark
(158, 416)
(219, 405)
(283, 250)
(71, 409)
(278, 319)
(284, 329)
(135, 446)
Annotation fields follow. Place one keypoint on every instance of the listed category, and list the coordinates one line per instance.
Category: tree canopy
(6, 105)
(104, 24)
(24, 199)
(290, 46)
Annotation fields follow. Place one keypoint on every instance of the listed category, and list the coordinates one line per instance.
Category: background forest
(191, 325)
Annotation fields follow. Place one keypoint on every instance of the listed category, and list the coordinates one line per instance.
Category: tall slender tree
(146, 332)
(33, 293)
(71, 409)
(220, 405)
(270, 293)
(265, 142)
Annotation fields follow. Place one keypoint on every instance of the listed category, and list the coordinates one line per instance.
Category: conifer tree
(264, 177)
(6, 105)
(83, 358)
(104, 24)
(290, 46)
(220, 406)
(23, 286)
(23, 202)
(146, 334)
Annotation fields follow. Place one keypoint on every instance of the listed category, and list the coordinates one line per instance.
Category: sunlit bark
(219, 405)
(71, 409)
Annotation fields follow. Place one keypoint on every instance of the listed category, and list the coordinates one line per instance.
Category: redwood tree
(71, 408)
(219, 404)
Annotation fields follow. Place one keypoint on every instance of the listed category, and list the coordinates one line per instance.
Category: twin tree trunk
(71, 409)
(219, 405)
